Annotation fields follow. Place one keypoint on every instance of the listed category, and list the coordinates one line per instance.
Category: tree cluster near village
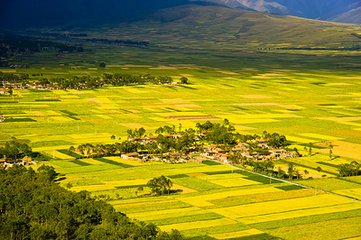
(15, 149)
(23, 81)
(34, 206)
(215, 141)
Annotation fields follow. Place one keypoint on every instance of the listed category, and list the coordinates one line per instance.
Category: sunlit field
(314, 108)
(217, 201)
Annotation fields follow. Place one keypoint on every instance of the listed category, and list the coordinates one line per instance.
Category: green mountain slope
(214, 27)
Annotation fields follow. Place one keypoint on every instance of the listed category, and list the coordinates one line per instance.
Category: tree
(160, 185)
(331, 151)
(10, 91)
(184, 80)
(290, 170)
(281, 173)
(102, 65)
(49, 172)
(297, 152)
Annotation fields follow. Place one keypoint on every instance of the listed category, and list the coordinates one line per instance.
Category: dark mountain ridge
(39, 13)
(17, 14)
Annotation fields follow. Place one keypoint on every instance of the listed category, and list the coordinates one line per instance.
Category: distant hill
(314, 9)
(35, 13)
(215, 27)
(351, 16)
(179, 24)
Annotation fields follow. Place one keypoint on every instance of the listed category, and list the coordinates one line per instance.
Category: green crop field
(317, 107)
(216, 201)
(296, 77)
(314, 108)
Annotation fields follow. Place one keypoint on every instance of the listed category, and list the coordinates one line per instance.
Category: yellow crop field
(126, 161)
(320, 136)
(234, 182)
(263, 208)
(239, 234)
(91, 161)
(299, 213)
(198, 224)
(353, 192)
(202, 200)
(92, 188)
(168, 213)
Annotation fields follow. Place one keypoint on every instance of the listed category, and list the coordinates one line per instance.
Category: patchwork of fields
(213, 201)
(217, 201)
(320, 108)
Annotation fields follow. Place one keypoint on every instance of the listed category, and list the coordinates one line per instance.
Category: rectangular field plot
(263, 208)
(228, 180)
(113, 162)
(198, 224)
(353, 192)
(204, 200)
(300, 213)
(208, 216)
(261, 197)
(167, 213)
(331, 230)
(237, 235)
(126, 161)
(150, 206)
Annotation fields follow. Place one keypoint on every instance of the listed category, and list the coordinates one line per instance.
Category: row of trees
(86, 81)
(13, 78)
(12, 44)
(33, 206)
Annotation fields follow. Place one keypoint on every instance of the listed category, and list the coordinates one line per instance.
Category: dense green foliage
(172, 139)
(160, 185)
(15, 149)
(33, 206)
(82, 82)
(349, 169)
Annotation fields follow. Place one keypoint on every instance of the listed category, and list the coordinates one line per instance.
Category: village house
(130, 155)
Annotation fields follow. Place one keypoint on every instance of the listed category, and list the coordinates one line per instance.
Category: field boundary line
(286, 181)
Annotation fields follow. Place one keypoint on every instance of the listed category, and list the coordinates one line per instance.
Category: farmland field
(79, 81)
(242, 205)
(314, 108)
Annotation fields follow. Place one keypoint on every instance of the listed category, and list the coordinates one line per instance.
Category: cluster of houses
(21, 86)
(25, 161)
(213, 152)
(18, 66)
(2, 118)
(243, 150)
